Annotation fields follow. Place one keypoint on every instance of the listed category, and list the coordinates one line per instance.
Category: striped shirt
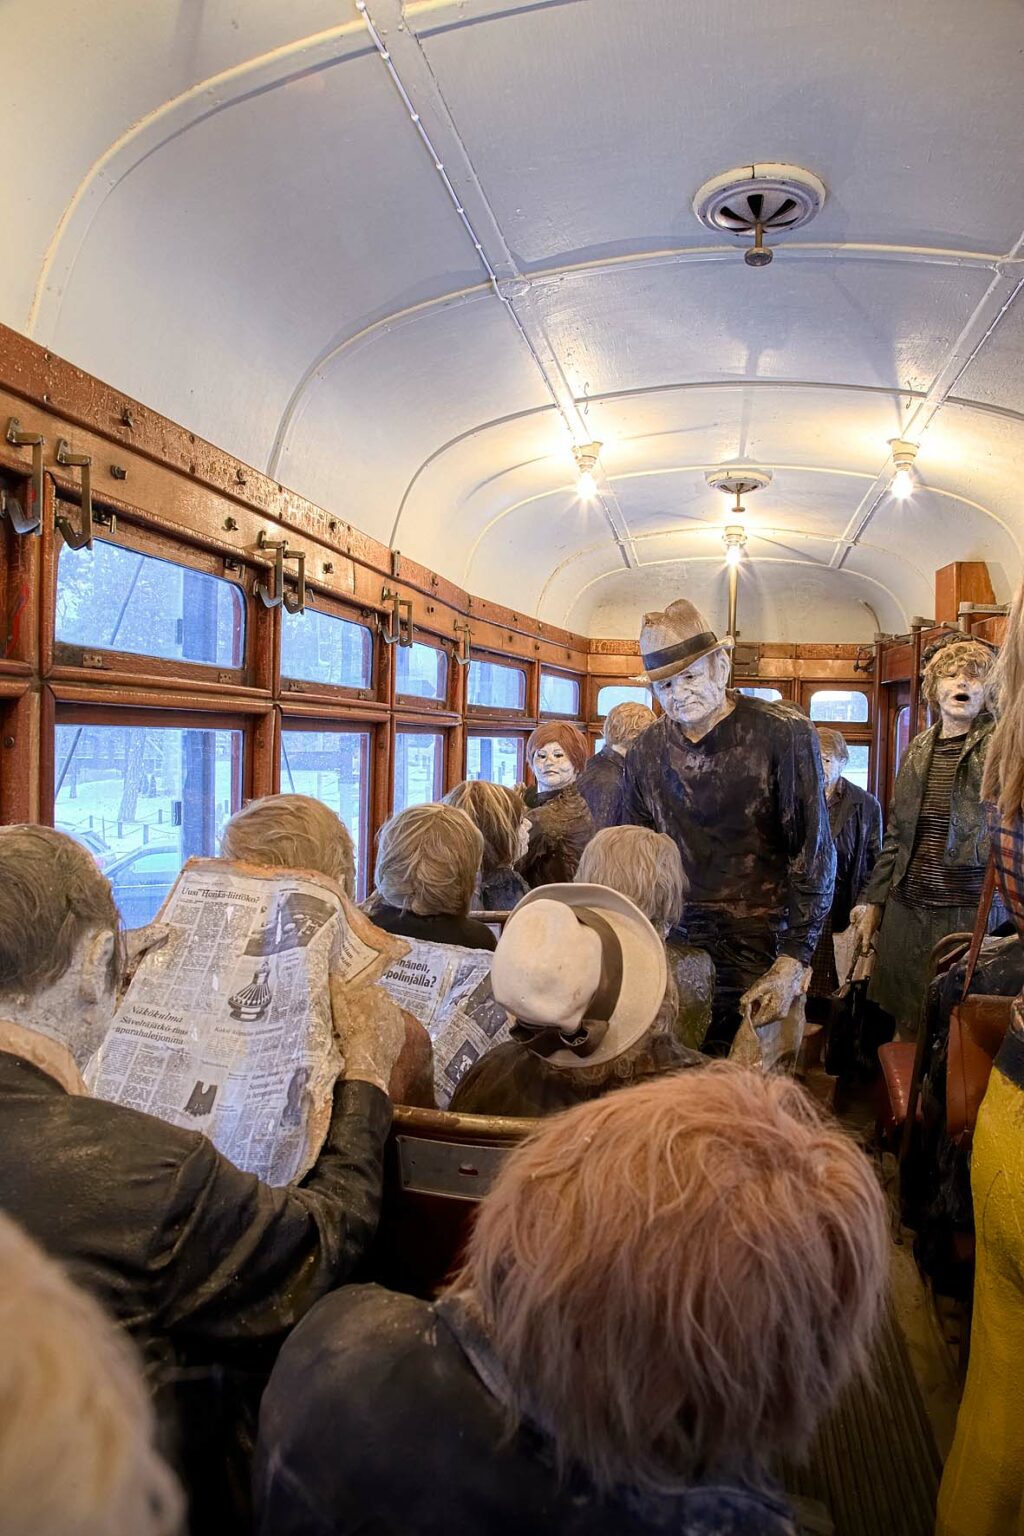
(929, 881)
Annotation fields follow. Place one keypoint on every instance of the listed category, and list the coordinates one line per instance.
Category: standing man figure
(600, 783)
(737, 784)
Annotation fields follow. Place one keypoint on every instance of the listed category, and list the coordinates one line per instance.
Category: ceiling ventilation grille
(774, 197)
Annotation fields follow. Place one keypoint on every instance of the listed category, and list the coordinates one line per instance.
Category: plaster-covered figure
(583, 974)
(982, 1491)
(428, 859)
(499, 814)
(928, 877)
(77, 1429)
(855, 819)
(663, 1293)
(203, 1264)
(737, 784)
(560, 821)
(600, 783)
(646, 867)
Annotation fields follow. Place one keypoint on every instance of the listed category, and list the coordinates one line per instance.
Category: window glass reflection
(421, 671)
(559, 695)
(322, 648)
(622, 693)
(497, 758)
(492, 685)
(332, 766)
(419, 768)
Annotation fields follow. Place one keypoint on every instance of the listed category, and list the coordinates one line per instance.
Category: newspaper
(227, 1029)
(448, 989)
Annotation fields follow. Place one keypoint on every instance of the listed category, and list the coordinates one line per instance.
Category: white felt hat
(578, 959)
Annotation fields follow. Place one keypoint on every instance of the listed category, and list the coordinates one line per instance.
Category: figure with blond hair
(646, 867)
(292, 832)
(580, 1375)
(428, 858)
(927, 879)
(600, 783)
(77, 1430)
(300, 832)
(982, 1491)
(560, 822)
(584, 976)
(499, 814)
(202, 1263)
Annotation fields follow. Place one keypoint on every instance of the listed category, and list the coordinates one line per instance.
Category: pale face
(552, 767)
(694, 696)
(960, 699)
(832, 768)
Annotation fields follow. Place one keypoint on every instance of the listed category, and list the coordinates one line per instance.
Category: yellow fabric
(982, 1491)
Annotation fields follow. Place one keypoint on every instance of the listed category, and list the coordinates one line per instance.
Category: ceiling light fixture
(734, 537)
(759, 200)
(903, 456)
(586, 456)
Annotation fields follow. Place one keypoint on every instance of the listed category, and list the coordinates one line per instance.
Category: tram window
(856, 769)
(847, 705)
(332, 766)
(901, 736)
(622, 693)
(493, 685)
(419, 768)
(120, 600)
(143, 799)
(320, 648)
(559, 695)
(497, 758)
(768, 694)
(421, 672)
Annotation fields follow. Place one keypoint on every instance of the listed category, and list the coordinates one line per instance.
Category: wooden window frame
(62, 659)
(478, 732)
(338, 724)
(404, 703)
(305, 691)
(490, 712)
(572, 677)
(404, 725)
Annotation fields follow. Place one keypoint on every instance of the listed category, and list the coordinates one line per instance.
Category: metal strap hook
(76, 538)
(399, 628)
(463, 652)
(295, 601)
(29, 520)
(272, 598)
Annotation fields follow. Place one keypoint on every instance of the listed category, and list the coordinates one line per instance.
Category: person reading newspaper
(299, 832)
(205, 1266)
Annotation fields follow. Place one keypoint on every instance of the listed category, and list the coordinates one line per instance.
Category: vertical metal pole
(734, 582)
(915, 679)
(878, 766)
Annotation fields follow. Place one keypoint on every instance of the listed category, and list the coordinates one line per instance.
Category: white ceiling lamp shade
(736, 480)
(903, 456)
(734, 537)
(755, 200)
(586, 456)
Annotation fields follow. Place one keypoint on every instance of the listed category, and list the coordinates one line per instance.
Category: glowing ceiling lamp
(734, 537)
(586, 456)
(903, 456)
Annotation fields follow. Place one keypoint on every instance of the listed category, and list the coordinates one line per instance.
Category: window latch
(397, 629)
(28, 519)
(462, 652)
(80, 538)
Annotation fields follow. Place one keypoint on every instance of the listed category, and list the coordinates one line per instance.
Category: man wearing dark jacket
(737, 784)
(203, 1264)
(600, 783)
(855, 818)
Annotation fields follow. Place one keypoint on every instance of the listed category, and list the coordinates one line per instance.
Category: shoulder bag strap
(988, 892)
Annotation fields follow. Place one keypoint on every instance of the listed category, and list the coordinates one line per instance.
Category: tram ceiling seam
(982, 323)
(560, 272)
(504, 277)
(705, 559)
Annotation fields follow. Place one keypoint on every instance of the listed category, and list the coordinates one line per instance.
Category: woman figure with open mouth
(929, 876)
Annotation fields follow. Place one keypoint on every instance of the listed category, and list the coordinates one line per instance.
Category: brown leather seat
(437, 1166)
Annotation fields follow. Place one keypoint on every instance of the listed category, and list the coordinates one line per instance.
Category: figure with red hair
(560, 821)
(665, 1290)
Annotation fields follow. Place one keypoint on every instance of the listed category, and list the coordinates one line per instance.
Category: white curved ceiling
(236, 213)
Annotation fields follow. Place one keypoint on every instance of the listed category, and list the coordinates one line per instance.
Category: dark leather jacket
(385, 1417)
(600, 784)
(968, 839)
(182, 1247)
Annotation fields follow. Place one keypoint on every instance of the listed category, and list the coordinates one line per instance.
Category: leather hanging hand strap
(988, 892)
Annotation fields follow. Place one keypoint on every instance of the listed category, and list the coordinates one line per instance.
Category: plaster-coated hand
(865, 921)
(773, 994)
(371, 1032)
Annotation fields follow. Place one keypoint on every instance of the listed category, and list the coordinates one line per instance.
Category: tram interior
(369, 370)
